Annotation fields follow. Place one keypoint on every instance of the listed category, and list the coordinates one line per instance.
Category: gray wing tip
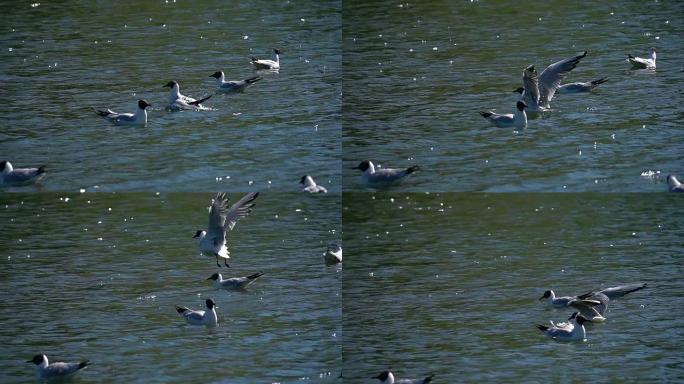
(83, 364)
(485, 114)
(542, 328)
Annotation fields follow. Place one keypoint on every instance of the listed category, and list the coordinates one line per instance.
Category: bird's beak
(210, 278)
(357, 167)
(541, 298)
(195, 236)
(29, 361)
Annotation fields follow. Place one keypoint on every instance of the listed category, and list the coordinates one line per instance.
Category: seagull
(233, 282)
(45, 370)
(178, 101)
(207, 318)
(212, 242)
(333, 254)
(596, 313)
(311, 186)
(234, 85)
(577, 332)
(517, 120)
(565, 324)
(387, 377)
(273, 64)
(137, 118)
(638, 62)
(538, 91)
(19, 175)
(564, 301)
(672, 182)
(382, 176)
(580, 87)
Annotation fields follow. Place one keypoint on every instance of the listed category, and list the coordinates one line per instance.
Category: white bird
(564, 301)
(577, 332)
(12, 176)
(674, 184)
(273, 64)
(517, 119)
(212, 242)
(233, 85)
(333, 254)
(207, 318)
(178, 101)
(387, 377)
(45, 370)
(638, 62)
(383, 176)
(538, 91)
(579, 87)
(233, 282)
(310, 185)
(565, 324)
(137, 118)
(596, 313)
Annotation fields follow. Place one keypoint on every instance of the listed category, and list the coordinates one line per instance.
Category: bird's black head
(197, 234)
(580, 319)
(37, 359)
(521, 106)
(142, 104)
(301, 181)
(170, 84)
(217, 74)
(210, 303)
(213, 277)
(363, 165)
(546, 295)
(519, 90)
(3, 164)
(653, 49)
(382, 376)
(276, 51)
(530, 68)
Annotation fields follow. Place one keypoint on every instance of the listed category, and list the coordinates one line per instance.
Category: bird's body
(564, 301)
(273, 64)
(310, 185)
(232, 85)
(208, 318)
(333, 254)
(580, 87)
(576, 332)
(674, 185)
(178, 101)
(517, 119)
(45, 370)
(539, 91)
(235, 283)
(387, 377)
(212, 242)
(138, 118)
(384, 176)
(641, 63)
(19, 176)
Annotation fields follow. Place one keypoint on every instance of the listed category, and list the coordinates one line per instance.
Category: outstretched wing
(239, 210)
(550, 79)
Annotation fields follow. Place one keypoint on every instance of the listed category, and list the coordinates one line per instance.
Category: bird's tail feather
(200, 101)
(542, 327)
(41, 169)
(599, 81)
(83, 364)
(253, 80)
(412, 169)
(181, 310)
(485, 114)
(254, 276)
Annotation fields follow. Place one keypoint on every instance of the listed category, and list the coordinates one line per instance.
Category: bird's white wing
(551, 77)
(239, 210)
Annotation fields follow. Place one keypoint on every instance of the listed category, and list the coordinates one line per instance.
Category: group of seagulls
(590, 307)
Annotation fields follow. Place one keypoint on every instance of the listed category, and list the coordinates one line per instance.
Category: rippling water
(81, 281)
(448, 284)
(59, 61)
(416, 75)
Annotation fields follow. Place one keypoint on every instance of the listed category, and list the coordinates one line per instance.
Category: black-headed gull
(674, 184)
(233, 282)
(16, 176)
(45, 370)
(564, 301)
(273, 64)
(212, 242)
(387, 377)
(538, 91)
(207, 318)
(178, 101)
(383, 176)
(638, 62)
(232, 85)
(310, 185)
(579, 87)
(333, 255)
(137, 118)
(517, 119)
(566, 333)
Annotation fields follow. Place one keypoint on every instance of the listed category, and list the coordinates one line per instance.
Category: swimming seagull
(596, 313)
(233, 282)
(638, 62)
(137, 118)
(311, 186)
(577, 332)
(333, 254)
(538, 91)
(233, 85)
(674, 184)
(273, 64)
(580, 87)
(45, 370)
(565, 324)
(212, 242)
(387, 377)
(178, 101)
(384, 176)
(564, 301)
(207, 318)
(517, 120)
(10, 175)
